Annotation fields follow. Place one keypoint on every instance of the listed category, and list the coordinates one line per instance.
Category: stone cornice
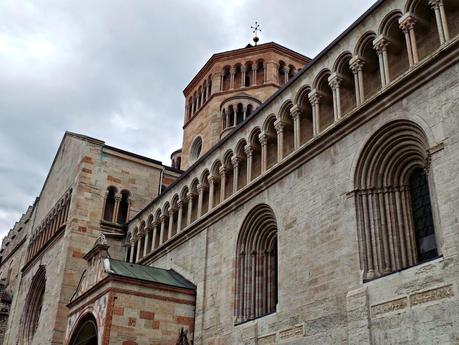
(238, 53)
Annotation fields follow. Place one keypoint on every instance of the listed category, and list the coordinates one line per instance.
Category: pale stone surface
(322, 297)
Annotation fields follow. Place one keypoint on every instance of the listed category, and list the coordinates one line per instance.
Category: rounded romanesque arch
(394, 212)
(256, 265)
(85, 332)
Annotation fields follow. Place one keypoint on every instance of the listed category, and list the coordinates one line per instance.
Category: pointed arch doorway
(86, 332)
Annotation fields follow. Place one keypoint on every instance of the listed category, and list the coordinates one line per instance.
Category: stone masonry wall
(322, 299)
(89, 168)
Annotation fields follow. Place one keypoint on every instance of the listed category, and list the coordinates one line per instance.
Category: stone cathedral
(313, 201)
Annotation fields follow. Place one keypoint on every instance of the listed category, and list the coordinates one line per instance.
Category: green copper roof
(150, 274)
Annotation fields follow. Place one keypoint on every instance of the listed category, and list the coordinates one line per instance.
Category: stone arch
(306, 116)
(248, 74)
(157, 229)
(326, 113)
(260, 72)
(426, 29)
(291, 71)
(288, 136)
(282, 76)
(255, 147)
(240, 154)
(86, 331)
(347, 86)
(397, 53)
(215, 175)
(199, 97)
(141, 239)
(397, 230)
(226, 78)
(194, 194)
(239, 113)
(270, 135)
(256, 265)
(110, 201)
(150, 220)
(184, 198)
(149, 230)
(173, 214)
(237, 76)
(33, 306)
(371, 73)
(123, 208)
(195, 102)
(228, 172)
(204, 183)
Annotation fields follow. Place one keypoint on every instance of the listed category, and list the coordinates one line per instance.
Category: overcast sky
(116, 69)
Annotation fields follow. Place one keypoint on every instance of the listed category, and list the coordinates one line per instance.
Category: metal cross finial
(256, 28)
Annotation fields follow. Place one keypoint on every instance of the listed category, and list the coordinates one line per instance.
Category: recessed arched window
(123, 207)
(86, 332)
(256, 265)
(116, 208)
(196, 148)
(394, 211)
(109, 210)
(33, 306)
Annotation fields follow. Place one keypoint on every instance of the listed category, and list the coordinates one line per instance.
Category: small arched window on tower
(110, 202)
(116, 208)
(196, 148)
(123, 208)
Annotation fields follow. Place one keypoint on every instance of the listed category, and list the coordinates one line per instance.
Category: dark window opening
(422, 216)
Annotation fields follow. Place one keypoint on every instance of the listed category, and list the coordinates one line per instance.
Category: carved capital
(243, 68)
(279, 125)
(192, 194)
(263, 137)
(285, 69)
(356, 64)
(334, 80)
(435, 3)
(202, 187)
(235, 161)
(223, 170)
(296, 111)
(212, 179)
(314, 97)
(233, 70)
(407, 22)
(380, 44)
(248, 150)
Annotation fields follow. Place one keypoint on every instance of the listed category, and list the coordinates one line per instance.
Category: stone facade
(321, 177)
(86, 167)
